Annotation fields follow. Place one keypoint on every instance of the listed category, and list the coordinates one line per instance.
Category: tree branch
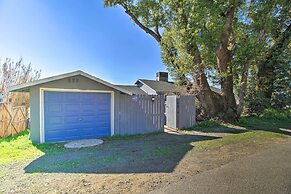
(156, 36)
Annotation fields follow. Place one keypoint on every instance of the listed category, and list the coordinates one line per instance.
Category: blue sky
(59, 36)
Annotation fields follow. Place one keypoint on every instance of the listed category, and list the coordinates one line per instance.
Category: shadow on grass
(219, 129)
(280, 126)
(214, 126)
(159, 153)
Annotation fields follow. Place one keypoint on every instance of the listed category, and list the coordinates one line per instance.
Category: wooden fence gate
(140, 114)
(13, 120)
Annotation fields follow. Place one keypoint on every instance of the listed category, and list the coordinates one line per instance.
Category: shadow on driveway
(157, 153)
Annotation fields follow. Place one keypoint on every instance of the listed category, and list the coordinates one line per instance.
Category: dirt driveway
(133, 165)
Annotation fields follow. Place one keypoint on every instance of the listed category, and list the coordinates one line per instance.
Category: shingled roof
(132, 89)
(159, 86)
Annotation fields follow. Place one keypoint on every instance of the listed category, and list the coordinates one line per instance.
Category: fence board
(12, 119)
(139, 114)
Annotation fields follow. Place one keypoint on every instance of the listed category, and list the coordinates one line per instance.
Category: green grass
(242, 138)
(269, 120)
(214, 125)
(164, 151)
(18, 148)
(211, 123)
(128, 137)
(250, 128)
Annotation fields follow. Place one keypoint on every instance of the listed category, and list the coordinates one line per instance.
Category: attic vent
(73, 80)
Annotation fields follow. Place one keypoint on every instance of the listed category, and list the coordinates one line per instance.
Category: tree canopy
(216, 41)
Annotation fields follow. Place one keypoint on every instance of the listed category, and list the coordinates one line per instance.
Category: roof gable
(25, 87)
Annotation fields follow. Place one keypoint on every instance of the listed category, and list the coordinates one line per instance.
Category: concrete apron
(83, 143)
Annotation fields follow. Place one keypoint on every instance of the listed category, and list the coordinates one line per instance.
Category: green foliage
(270, 120)
(281, 97)
(256, 103)
(276, 115)
(195, 27)
(207, 124)
(151, 13)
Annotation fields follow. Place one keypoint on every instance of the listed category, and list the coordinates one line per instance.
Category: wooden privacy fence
(140, 114)
(13, 120)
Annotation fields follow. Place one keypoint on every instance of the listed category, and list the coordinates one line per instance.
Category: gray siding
(34, 114)
(139, 114)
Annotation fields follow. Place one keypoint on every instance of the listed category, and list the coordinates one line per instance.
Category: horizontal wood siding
(139, 114)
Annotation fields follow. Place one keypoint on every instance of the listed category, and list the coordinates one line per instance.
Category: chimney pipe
(162, 76)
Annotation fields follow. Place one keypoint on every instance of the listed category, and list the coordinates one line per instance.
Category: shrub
(256, 103)
(277, 115)
(207, 124)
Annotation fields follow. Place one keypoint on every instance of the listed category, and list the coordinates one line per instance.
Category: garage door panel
(57, 120)
(52, 98)
(88, 108)
(75, 133)
(76, 115)
(60, 128)
(71, 96)
(71, 108)
(54, 108)
(70, 120)
(90, 98)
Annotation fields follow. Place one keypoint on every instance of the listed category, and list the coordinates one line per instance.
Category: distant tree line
(14, 73)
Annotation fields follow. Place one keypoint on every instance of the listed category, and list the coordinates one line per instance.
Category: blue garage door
(72, 115)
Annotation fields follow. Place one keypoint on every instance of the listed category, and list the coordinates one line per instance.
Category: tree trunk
(223, 56)
(210, 101)
(242, 88)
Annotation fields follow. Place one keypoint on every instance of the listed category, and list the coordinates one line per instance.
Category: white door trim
(41, 102)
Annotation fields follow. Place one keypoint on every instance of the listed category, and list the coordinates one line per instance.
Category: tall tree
(203, 40)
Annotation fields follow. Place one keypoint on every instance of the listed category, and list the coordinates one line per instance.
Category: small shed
(78, 105)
